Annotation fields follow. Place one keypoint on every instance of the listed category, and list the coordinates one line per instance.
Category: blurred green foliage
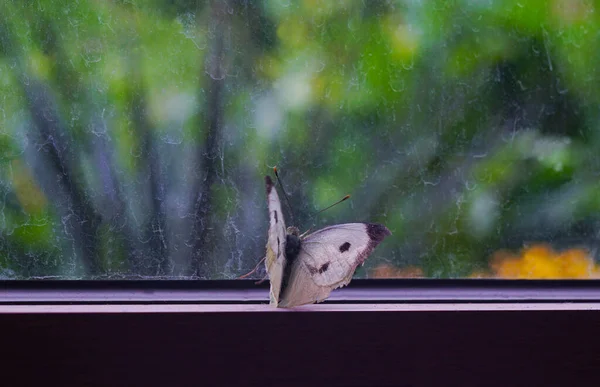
(134, 135)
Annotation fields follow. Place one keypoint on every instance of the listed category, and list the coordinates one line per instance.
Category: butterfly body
(292, 244)
(305, 269)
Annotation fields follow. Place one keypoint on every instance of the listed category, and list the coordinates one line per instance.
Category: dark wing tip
(377, 232)
(268, 183)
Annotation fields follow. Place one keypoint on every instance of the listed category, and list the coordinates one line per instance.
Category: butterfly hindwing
(328, 259)
(275, 259)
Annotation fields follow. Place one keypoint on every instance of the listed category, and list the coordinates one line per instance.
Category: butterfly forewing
(275, 260)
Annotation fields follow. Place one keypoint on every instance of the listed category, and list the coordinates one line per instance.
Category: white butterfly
(303, 270)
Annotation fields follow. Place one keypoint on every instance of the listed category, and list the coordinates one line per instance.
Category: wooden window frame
(423, 332)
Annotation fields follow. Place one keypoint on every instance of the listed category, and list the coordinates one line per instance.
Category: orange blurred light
(540, 261)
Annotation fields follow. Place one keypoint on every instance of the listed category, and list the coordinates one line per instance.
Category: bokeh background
(135, 135)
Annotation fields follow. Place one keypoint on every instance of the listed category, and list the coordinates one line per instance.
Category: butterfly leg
(262, 280)
(305, 232)
(253, 270)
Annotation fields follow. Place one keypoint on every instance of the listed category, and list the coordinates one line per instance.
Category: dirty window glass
(135, 135)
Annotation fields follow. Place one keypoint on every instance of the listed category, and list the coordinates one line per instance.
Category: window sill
(316, 308)
(246, 292)
(79, 340)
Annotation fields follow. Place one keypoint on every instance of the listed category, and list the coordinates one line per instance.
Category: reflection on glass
(135, 136)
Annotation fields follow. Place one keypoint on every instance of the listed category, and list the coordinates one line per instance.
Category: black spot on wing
(275, 214)
(311, 269)
(344, 247)
(324, 268)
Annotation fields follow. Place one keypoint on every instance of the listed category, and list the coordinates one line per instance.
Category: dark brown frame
(479, 342)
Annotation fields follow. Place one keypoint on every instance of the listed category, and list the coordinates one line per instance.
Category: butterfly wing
(275, 259)
(328, 259)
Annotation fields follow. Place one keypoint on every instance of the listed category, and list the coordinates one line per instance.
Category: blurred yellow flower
(542, 262)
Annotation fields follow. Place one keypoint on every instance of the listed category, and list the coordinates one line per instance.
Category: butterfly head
(293, 231)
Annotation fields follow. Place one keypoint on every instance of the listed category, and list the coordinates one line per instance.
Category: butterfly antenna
(253, 270)
(324, 209)
(287, 199)
(334, 204)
